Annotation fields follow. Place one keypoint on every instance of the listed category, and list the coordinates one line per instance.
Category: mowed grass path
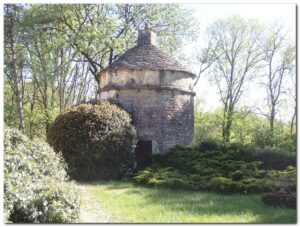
(125, 202)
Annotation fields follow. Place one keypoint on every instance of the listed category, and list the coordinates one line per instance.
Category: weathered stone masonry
(155, 90)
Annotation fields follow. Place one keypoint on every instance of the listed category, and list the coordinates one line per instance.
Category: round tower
(156, 90)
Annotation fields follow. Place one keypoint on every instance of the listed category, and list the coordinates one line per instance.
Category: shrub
(221, 184)
(237, 175)
(96, 140)
(289, 174)
(219, 171)
(167, 177)
(211, 145)
(271, 158)
(36, 187)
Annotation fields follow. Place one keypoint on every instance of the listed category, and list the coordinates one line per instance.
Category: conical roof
(147, 55)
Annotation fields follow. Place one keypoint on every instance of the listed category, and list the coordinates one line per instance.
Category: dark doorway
(143, 154)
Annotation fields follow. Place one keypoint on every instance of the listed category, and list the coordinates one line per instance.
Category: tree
(60, 48)
(14, 72)
(234, 46)
(279, 59)
(292, 93)
(206, 58)
(101, 38)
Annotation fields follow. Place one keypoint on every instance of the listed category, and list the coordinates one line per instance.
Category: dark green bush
(221, 184)
(96, 140)
(237, 175)
(167, 177)
(271, 158)
(289, 174)
(36, 187)
(219, 171)
(211, 145)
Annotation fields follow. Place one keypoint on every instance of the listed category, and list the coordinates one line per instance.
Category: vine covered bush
(218, 171)
(36, 186)
(96, 140)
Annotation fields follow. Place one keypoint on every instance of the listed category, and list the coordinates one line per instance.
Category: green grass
(126, 202)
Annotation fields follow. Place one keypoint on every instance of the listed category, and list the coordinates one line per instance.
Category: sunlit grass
(128, 203)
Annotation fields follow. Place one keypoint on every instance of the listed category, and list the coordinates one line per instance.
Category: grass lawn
(125, 202)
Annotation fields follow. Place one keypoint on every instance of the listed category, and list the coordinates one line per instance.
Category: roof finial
(146, 26)
(146, 36)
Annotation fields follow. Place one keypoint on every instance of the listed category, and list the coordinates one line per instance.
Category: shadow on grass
(205, 203)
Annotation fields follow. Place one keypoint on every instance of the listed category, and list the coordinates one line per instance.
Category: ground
(125, 202)
(91, 210)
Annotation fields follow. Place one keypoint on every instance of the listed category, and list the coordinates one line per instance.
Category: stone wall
(160, 103)
(146, 78)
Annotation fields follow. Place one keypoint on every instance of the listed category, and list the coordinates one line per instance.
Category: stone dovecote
(156, 90)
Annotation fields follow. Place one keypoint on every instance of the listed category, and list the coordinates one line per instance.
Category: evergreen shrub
(96, 140)
(219, 171)
(270, 157)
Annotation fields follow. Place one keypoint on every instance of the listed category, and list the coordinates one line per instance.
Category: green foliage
(35, 113)
(59, 49)
(207, 125)
(211, 145)
(96, 140)
(237, 175)
(214, 170)
(247, 129)
(168, 177)
(36, 187)
(10, 107)
(271, 158)
(289, 174)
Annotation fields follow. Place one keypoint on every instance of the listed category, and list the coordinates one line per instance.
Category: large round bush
(96, 140)
(36, 186)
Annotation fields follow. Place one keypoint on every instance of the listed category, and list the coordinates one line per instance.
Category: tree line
(53, 53)
(241, 52)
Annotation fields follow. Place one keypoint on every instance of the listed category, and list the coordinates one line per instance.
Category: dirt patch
(91, 210)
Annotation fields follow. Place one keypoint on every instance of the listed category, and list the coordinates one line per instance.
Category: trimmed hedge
(187, 167)
(96, 140)
(36, 187)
